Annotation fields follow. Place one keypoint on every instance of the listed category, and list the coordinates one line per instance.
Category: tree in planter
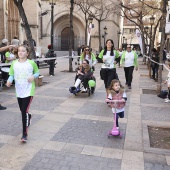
(137, 12)
(26, 26)
(162, 9)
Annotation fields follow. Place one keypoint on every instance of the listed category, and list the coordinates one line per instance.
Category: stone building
(11, 24)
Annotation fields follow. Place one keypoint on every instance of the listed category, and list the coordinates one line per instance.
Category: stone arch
(62, 21)
(13, 20)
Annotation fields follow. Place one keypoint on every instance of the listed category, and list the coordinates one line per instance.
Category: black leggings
(129, 74)
(24, 105)
(169, 93)
(108, 75)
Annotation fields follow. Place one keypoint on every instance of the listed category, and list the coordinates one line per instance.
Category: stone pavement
(70, 132)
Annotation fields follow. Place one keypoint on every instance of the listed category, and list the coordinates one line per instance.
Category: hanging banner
(138, 35)
(89, 33)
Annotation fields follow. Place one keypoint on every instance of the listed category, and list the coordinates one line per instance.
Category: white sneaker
(167, 100)
(83, 89)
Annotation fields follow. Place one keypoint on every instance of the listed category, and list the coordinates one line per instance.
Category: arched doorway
(65, 36)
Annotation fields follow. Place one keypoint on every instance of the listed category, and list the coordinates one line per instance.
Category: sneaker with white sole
(167, 100)
(24, 138)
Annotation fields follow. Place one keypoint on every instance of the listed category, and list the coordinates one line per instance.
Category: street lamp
(51, 62)
(118, 35)
(90, 19)
(105, 33)
(52, 3)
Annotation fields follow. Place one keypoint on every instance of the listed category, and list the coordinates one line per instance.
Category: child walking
(168, 83)
(116, 92)
(23, 71)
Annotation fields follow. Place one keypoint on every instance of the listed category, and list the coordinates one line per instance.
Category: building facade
(11, 24)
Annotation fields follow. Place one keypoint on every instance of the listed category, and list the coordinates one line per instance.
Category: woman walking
(108, 69)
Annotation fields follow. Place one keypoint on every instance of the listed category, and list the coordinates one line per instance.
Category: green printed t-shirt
(21, 73)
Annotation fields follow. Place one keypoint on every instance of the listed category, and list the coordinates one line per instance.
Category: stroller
(90, 87)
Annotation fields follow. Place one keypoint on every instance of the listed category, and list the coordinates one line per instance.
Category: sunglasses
(84, 63)
(87, 49)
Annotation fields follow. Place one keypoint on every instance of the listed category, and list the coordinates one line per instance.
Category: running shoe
(24, 138)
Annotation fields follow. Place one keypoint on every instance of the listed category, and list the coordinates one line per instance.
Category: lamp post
(118, 35)
(90, 20)
(51, 62)
(52, 3)
(105, 33)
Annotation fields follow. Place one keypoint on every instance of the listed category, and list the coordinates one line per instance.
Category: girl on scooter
(116, 92)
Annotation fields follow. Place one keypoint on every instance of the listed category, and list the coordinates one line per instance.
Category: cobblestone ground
(70, 132)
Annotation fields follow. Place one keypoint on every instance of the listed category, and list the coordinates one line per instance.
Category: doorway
(65, 37)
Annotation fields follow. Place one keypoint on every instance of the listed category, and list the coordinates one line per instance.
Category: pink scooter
(114, 131)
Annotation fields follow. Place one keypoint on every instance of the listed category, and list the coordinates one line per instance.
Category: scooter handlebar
(115, 101)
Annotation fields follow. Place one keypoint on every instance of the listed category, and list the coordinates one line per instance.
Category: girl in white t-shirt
(23, 71)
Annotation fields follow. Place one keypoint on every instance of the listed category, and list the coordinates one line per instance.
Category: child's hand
(8, 84)
(31, 79)
(123, 100)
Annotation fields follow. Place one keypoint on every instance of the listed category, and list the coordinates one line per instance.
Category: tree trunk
(163, 23)
(71, 37)
(26, 27)
(99, 35)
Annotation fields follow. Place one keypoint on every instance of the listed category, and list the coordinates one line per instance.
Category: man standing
(50, 54)
(129, 58)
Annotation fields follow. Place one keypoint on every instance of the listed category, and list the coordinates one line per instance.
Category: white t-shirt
(109, 60)
(89, 59)
(21, 73)
(129, 59)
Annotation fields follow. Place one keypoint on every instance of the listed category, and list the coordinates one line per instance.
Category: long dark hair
(112, 48)
(84, 52)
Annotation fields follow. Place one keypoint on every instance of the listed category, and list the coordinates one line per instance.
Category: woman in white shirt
(108, 70)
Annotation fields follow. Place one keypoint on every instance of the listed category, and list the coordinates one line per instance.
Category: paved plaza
(70, 132)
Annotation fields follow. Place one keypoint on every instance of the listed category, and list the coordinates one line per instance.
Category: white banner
(89, 34)
(138, 35)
